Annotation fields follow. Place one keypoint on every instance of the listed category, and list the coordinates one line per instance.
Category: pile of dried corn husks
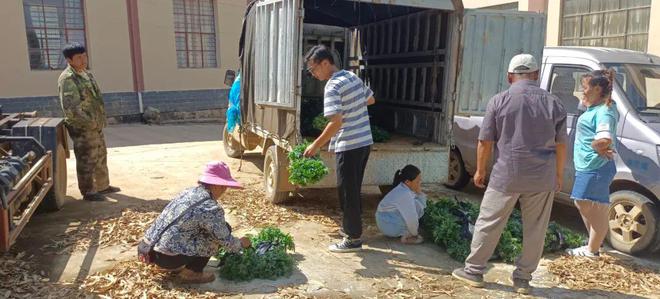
(125, 229)
(133, 279)
(252, 209)
(19, 279)
(605, 273)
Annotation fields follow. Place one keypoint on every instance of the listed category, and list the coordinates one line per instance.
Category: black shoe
(94, 197)
(521, 286)
(474, 280)
(346, 245)
(110, 189)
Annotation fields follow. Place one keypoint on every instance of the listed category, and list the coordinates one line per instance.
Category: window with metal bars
(51, 24)
(194, 30)
(606, 23)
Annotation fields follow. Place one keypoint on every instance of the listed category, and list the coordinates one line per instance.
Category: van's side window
(566, 85)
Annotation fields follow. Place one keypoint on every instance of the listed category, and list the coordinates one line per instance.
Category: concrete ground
(153, 163)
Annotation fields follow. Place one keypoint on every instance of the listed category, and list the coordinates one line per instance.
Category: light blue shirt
(409, 204)
(597, 122)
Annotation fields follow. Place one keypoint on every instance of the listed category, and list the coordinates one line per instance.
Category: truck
(419, 57)
(634, 213)
(33, 153)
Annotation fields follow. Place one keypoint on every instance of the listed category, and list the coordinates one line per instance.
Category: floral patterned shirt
(199, 232)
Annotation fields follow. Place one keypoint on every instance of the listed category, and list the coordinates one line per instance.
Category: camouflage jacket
(81, 100)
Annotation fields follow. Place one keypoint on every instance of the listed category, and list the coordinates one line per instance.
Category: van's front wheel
(634, 222)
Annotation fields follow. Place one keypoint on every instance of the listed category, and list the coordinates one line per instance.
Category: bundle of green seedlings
(252, 264)
(449, 223)
(379, 134)
(305, 171)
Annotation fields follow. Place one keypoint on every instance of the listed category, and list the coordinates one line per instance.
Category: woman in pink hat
(192, 228)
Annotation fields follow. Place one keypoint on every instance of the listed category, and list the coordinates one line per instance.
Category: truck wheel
(633, 221)
(233, 148)
(457, 177)
(57, 194)
(272, 177)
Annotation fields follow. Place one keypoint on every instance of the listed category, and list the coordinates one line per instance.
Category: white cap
(522, 64)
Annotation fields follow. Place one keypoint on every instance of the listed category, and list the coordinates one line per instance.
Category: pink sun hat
(218, 173)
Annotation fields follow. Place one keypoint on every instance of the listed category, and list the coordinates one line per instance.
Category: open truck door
(488, 41)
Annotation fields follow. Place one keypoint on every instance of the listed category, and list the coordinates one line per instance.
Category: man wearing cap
(192, 227)
(526, 126)
(84, 116)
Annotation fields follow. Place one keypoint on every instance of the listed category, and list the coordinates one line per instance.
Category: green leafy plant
(320, 122)
(305, 171)
(448, 223)
(379, 134)
(249, 264)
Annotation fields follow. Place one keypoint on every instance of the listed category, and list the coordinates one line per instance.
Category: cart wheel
(272, 177)
(633, 222)
(57, 194)
(233, 148)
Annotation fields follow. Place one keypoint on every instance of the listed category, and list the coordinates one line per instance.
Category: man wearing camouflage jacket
(84, 114)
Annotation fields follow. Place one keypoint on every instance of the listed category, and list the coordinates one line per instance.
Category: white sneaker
(582, 251)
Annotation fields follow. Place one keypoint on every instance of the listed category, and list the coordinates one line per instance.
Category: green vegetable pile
(305, 171)
(379, 134)
(320, 122)
(249, 264)
(449, 224)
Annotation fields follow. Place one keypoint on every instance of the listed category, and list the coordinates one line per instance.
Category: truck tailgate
(387, 158)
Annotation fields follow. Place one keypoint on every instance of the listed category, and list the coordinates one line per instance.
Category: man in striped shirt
(345, 105)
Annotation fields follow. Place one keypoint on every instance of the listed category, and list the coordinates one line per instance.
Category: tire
(55, 198)
(272, 177)
(233, 149)
(634, 222)
(457, 177)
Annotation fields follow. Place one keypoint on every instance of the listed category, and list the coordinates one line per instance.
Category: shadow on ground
(46, 230)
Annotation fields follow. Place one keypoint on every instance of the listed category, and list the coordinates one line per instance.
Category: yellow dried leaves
(605, 273)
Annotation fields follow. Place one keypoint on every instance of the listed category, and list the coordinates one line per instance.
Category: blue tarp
(234, 110)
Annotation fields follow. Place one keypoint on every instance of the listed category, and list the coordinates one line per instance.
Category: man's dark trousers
(350, 172)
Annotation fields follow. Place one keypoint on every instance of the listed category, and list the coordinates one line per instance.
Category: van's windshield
(641, 83)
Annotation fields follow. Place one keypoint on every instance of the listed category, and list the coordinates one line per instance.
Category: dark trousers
(171, 262)
(350, 172)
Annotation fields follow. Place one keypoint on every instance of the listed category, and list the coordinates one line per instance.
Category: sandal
(189, 277)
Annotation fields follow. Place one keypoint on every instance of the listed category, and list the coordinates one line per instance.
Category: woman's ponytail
(408, 173)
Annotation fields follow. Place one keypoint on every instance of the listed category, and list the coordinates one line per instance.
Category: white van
(635, 209)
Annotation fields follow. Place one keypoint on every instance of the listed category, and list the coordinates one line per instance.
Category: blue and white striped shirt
(345, 93)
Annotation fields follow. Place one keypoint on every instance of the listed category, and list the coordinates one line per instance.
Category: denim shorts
(594, 185)
(391, 224)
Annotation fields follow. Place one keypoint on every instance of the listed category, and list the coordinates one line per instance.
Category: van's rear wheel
(633, 220)
(233, 148)
(272, 177)
(458, 176)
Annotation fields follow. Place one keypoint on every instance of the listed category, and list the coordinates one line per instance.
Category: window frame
(187, 33)
(553, 67)
(44, 49)
(576, 40)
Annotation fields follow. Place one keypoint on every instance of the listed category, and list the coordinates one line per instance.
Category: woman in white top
(399, 212)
